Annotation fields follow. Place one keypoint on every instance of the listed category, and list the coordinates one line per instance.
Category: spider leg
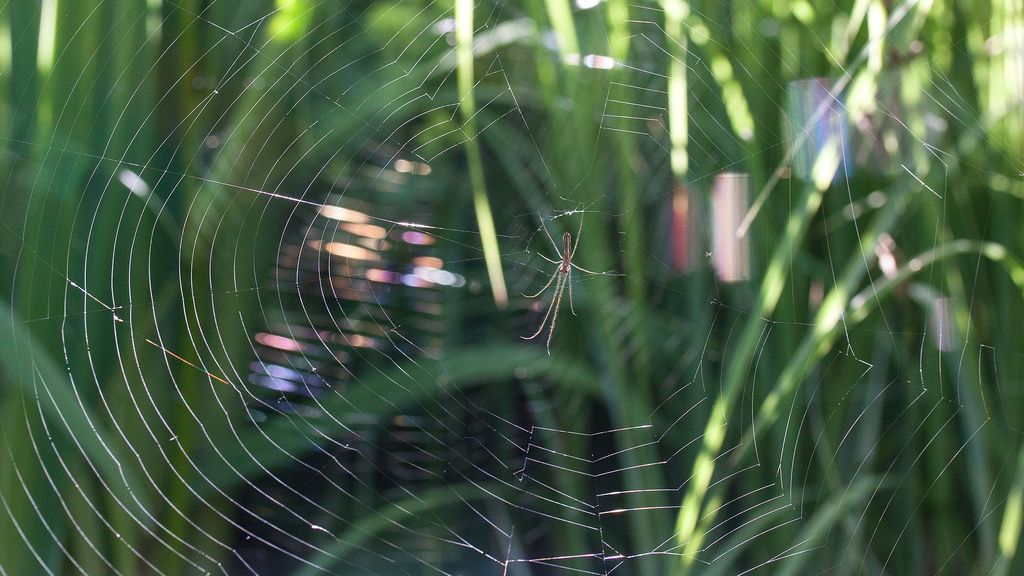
(579, 233)
(544, 288)
(553, 261)
(558, 301)
(582, 269)
(558, 286)
(548, 234)
(569, 280)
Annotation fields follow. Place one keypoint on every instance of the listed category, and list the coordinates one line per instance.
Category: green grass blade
(467, 108)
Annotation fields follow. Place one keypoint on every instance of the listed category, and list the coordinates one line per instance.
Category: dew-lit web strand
(787, 553)
(318, 471)
(398, 57)
(280, 78)
(101, 478)
(223, 494)
(804, 419)
(148, 168)
(314, 87)
(118, 428)
(744, 523)
(495, 478)
(94, 298)
(895, 491)
(200, 472)
(762, 338)
(864, 461)
(817, 439)
(655, 463)
(165, 457)
(3, 203)
(798, 435)
(924, 495)
(997, 507)
(608, 99)
(270, 475)
(143, 303)
(478, 132)
(459, 128)
(860, 245)
(188, 362)
(862, 54)
(106, 308)
(53, 137)
(362, 31)
(849, 430)
(306, 465)
(619, 469)
(832, 266)
(71, 516)
(970, 314)
(326, 165)
(671, 537)
(57, 541)
(796, 442)
(265, 470)
(522, 117)
(726, 504)
(21, 533)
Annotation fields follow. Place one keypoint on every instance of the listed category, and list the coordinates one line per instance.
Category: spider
(564, 277)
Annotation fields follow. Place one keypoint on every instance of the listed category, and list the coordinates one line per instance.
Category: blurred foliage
(123, 451)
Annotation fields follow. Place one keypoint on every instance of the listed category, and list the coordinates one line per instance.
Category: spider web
(266, 337)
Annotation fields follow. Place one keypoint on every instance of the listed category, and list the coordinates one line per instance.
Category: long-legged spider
(563, 275)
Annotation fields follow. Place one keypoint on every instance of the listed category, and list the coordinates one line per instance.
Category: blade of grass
(22, 86)
(467, 107)
(714, 435)
(1013, 519)
(676, 12)
(559, 13)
